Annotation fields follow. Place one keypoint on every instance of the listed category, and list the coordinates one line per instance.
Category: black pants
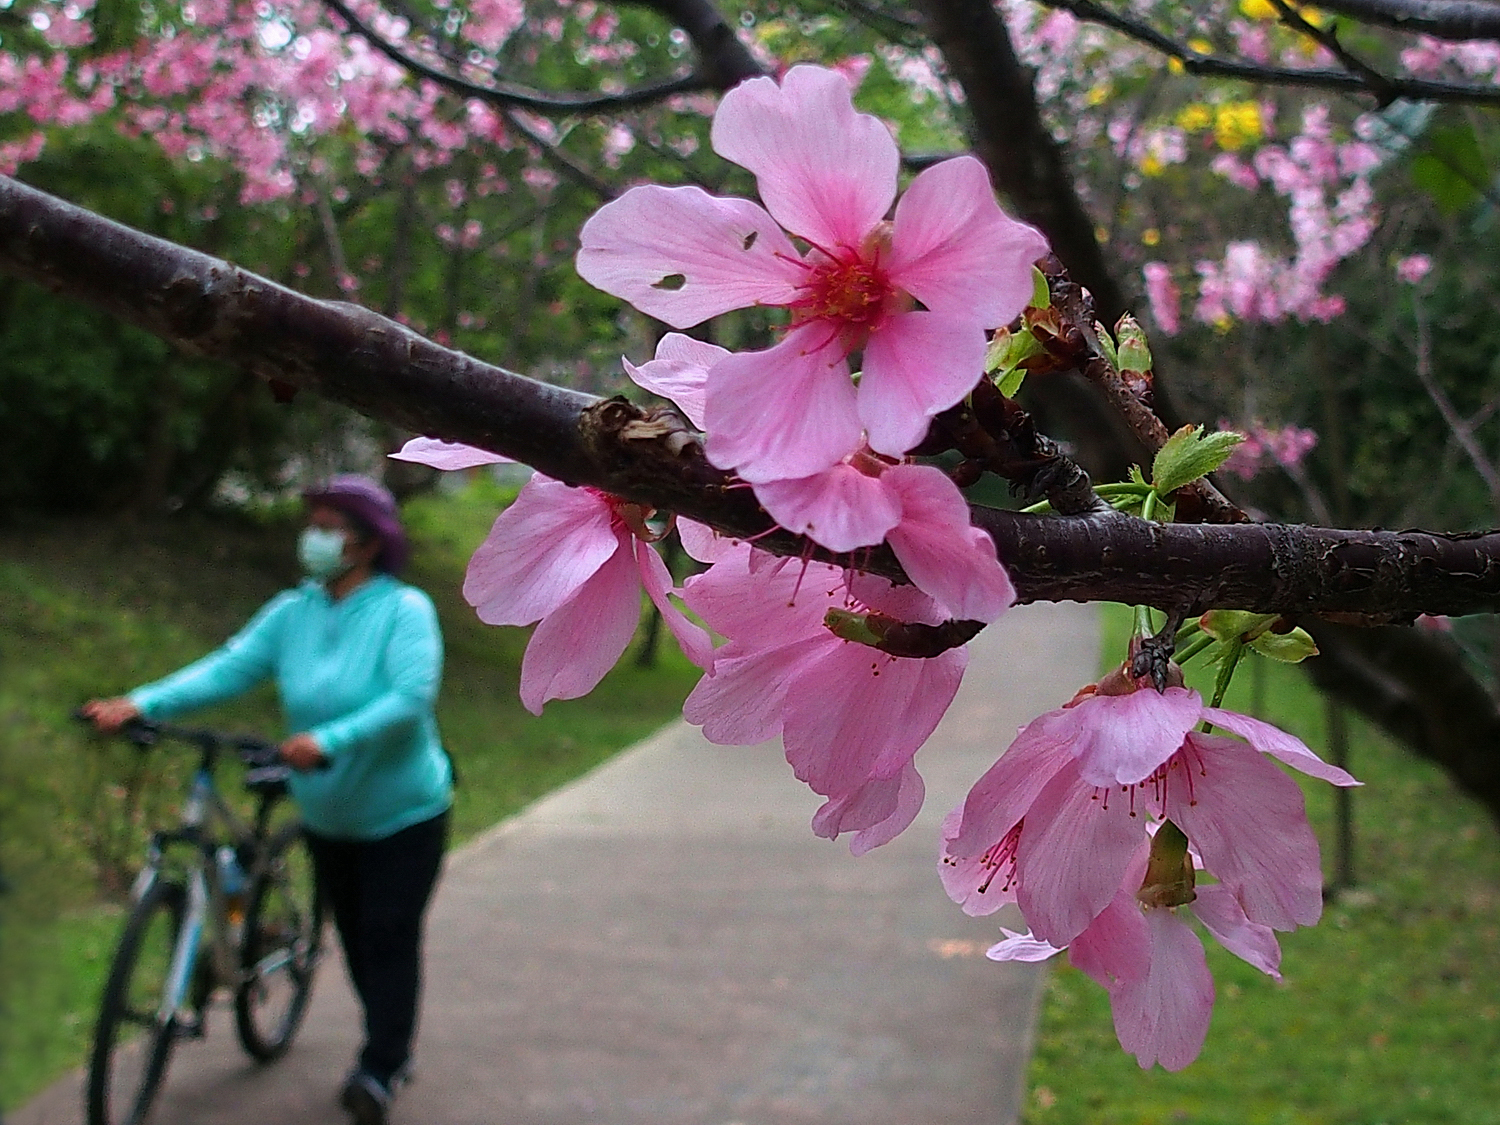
(378, 891)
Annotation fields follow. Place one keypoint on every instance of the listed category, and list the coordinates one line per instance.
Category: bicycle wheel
(283, 933)
(131, 1040)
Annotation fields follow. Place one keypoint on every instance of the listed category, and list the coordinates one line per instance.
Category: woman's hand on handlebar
(109, 715)
(302, 752)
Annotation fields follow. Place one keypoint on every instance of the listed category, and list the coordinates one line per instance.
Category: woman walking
(356, 656)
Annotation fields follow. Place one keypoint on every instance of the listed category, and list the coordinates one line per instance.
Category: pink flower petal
(942, 553)
(679, 372)
(1164, 1017)
(1116, 947)
(857, 713)
(447, 455)
(742, 703)
(763, 607)
(785, 412)
(682, 255)
(540, 550)
(1075, 847)
(917, 364)
(840, 508)
(702, 542)
(657, 580)
(1020, 947)
(1124, 738)
(1248, 821)
(1000, 798)
(957, 252)
(578, 643)
(1280, 745)
(877, 812)
(827, 172)
(1221, 915)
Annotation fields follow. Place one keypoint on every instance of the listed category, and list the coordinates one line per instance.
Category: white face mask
(321, 552)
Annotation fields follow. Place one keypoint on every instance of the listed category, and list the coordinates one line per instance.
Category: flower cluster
(1095, 821)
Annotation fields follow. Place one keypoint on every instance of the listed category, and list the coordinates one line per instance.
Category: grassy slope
(1390, 1007)
(88, 610)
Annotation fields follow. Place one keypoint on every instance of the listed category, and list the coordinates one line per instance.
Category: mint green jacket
(361, 676)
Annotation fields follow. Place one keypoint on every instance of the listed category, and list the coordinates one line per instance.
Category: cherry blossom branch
(507, 94)
(349, 354)
(1212, 66)
(1079, 344)
(1455, 20)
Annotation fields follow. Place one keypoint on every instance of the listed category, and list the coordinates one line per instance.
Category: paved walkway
(664, 942)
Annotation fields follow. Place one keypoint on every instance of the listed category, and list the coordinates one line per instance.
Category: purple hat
(370, 504)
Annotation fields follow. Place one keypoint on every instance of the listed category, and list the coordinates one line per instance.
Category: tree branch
(519, 97)
(1211, 66)
(1455, 20)
(354, 356)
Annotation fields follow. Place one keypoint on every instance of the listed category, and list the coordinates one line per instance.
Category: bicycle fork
(185, 952)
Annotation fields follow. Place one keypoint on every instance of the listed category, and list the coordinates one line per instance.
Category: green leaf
(1451, 169)
(1041, 293)
(1134, 352)
(1233, 624)
(1289, 648)
(1008, 350)
(1107, 345)
(1012, 382)
(1136, 476)
(1190, 454)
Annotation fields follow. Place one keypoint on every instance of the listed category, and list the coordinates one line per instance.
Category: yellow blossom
(1237, 124)
(1195, 117)
(1259, 9)
(1151, 166)
(1099, 93)
(1201, 46)
(1174, 65)
(1150, 236)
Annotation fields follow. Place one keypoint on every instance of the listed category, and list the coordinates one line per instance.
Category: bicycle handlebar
(262, 757)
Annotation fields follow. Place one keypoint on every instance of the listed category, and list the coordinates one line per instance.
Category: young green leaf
(1190, 454)
(1289, 648)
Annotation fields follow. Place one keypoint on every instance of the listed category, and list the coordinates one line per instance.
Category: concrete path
(664, 942)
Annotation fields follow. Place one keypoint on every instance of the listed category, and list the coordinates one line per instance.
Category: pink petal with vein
(1280, 745)
(916, 365)
(1020, 947)
(742, 703)
(1123, 738)
(877, 812)
(957, 252)
(944, 555)
(840, 508)
(785, 412)
(540, 550)
(682, 255)
(1164, 1017)
(1000, 798)
(1116, 948)
(980, 884)
(763, 607)
(679, 372)
(1221, 915)
(578, 643)
(857, 713)
(447, 455)
(827, 172)
(702, 542)
(657, 580)
(1074, 849)
(1248, 821)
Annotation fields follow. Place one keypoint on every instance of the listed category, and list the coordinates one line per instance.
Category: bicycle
(220, 902)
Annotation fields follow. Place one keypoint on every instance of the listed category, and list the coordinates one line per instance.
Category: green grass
(1390, 1008)
(89, 609)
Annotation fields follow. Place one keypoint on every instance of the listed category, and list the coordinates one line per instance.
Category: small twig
(1329, 41)
(1211, 66)
(520, 97)
(1460, 429)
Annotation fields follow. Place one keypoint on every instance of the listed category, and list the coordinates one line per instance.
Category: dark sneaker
(366, 1098)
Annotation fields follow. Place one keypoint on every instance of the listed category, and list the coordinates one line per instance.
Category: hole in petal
(672, 282)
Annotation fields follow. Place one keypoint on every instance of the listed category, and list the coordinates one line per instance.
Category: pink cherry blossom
(827, 175)
(851, 717)
(1413, 268)
(1055, 822)
(575, 560)
(1152, 964)
(447, 455)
